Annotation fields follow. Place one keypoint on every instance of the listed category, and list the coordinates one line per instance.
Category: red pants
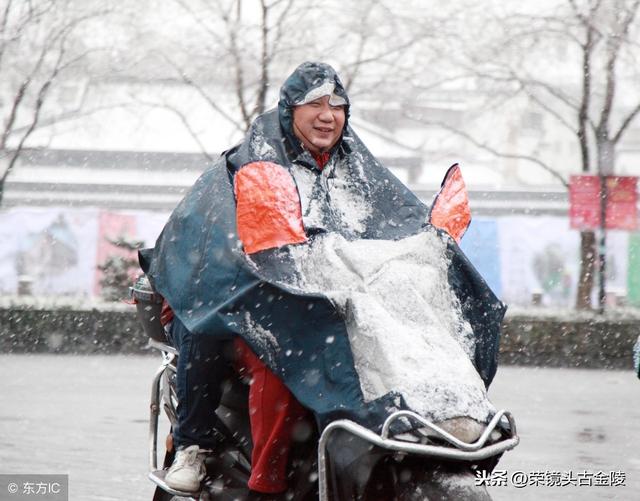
(273, 412)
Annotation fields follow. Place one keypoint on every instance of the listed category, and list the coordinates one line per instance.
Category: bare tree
(238, 54)
(245, 46)
(37, 46)
(381, 45)
(575, 63)
(603, 35)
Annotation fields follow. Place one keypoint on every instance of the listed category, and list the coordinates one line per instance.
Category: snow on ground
(87, 416)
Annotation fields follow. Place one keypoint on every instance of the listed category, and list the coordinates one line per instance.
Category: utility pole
(602, 247)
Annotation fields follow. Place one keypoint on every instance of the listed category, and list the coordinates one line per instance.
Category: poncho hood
(309, 81)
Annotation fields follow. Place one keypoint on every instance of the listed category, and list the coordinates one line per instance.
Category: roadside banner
(52, 248)
(622, 202)
(584, 202)
(538, 255)
(622, 199)
(480, 244)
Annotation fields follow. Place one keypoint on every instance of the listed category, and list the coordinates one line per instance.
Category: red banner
(622, 202)
(622, 199)
(584, 202)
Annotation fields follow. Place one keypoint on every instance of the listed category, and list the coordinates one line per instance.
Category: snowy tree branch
(497, 153)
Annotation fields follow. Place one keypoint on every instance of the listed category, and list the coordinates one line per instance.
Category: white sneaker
(187, 470)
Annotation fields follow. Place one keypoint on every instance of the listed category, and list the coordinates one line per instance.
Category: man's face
(318, 124)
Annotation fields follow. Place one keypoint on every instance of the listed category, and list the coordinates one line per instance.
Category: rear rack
(169, 353)
(462, 451)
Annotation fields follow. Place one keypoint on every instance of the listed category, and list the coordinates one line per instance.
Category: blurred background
(111, 110)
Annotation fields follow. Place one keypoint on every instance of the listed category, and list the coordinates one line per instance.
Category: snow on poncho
(405, 325)
(310, 336)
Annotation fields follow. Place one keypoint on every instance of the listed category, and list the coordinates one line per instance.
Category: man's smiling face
(318, 124)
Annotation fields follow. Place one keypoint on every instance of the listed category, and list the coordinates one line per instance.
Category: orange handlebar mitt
(450, 210)
(268, 210)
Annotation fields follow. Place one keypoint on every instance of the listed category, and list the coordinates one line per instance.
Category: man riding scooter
(221, 261)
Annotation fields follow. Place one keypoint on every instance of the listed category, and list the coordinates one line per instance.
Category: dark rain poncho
(200, 267)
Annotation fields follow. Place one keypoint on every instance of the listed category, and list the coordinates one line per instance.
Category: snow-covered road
(577, 422)
(87, 416)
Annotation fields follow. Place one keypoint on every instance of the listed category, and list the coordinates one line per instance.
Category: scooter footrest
(157, 477)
